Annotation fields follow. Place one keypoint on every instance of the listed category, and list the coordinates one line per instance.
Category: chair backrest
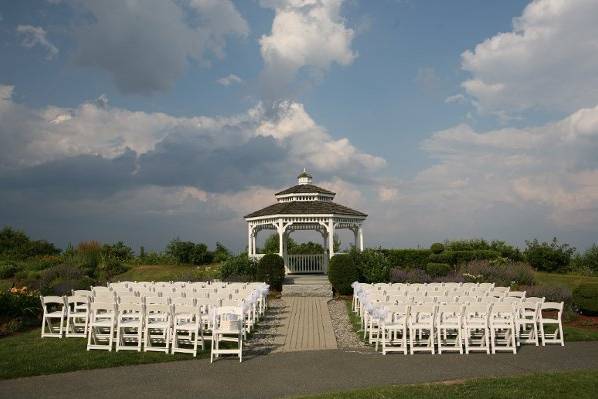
(502, 311)
(477, 309)
(130, 300)
(229, 315)
(182, 301)
(78, 302)
(157, 300)
(445, 310)
(102, 307)
(86, 293)
(183, 312)
(155, 308)
(129, 309)
(516, 294)
(419, 313)
(553, 306)
(52, 300)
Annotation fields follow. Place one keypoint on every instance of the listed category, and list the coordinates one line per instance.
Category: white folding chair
(186, 329)
(528, 317)
(102, 320)
(547, 318)
(449, 327)
(77, 316)
(502, 328)
(157, 323)
(394, 328)
(54, 310)
(475, 324)
(421, 328)
(129, 327)
(227, 326)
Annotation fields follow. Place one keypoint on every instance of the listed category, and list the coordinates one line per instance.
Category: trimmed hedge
(342, 271)
(455, 258)
(238, 268)
(270, 269)
(437, 248)
(585, 297)
(438, 269)
(408, 258)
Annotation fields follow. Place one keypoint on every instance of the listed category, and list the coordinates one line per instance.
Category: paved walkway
(297, 373)
(305, 325)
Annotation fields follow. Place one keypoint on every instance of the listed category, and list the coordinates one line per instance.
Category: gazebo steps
(307, 286)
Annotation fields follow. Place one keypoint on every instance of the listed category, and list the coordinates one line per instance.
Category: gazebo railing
(306, 263)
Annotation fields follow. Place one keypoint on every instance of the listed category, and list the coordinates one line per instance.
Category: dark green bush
(109, 267)
(342, 271)
(155, 258)
(16, 244)
(585, 298)
(549, 256)
(238, 268)
(438, 269)
(270, 269)
(589, 258)
(373, 265)
(8, 269)
(407, 258)
(398, 275)
(221, 253)
(19, 310)
(455, 258)
(119, 251)
(437, 248)
(189, 252)
(61, 279)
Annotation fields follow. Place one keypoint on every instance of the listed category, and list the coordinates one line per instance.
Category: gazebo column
(331, 237)
(280, 229)
(250, 248)
(360, 238)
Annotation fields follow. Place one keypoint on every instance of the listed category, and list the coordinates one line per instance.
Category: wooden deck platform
(306, 325)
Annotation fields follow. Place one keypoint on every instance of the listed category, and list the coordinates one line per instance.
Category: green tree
(549, 256)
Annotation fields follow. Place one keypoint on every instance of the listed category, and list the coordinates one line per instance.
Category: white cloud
(548, 61)
(551, 167)
(146, 45)
(229, 80)
(455, 99)
(305, 33)
(32, 36)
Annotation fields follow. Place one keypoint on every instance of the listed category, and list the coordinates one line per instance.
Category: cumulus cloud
(305, 33)
(229, 80)
(551, 167)
(32, 36)
(146, 45)
(549, 60)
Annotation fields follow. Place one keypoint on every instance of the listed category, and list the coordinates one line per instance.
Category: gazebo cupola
(305, 206)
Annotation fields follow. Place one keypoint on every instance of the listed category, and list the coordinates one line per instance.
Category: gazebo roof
(306, 208)
(304, 189)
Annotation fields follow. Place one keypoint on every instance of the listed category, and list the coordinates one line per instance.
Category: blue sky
(439, 119)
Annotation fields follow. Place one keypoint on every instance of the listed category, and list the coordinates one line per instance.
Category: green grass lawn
(577, 385)
(567, 280)
(26, 354)
(167, 272)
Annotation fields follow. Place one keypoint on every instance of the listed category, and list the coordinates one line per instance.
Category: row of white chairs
(113, 318)
(489, 323)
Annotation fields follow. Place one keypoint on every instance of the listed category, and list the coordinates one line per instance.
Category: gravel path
(262, 339)
(346, 337)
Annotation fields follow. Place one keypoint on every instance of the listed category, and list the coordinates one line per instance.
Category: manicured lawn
(567, 280)
(579, 334)
(166, 272)
(26, 354)
(577, 385)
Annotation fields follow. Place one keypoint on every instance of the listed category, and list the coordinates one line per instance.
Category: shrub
(88, 254)
(109, 267)
(437, 248)
(407, 258)
(438, 269)
(8, 269)
(119, 251)
(188, 252)
(270, 269)
(452, 277)
(409, 276)
(512, 273)
(589, 259)
(585, 298)
(552, 293)
(61, 279)
(221, 253)
(373, 265)
(20, 309)
(549, 257)
(238, 268)
(342, 272)
(44, 262)
(155, 258)
(16, 244)
(455, 258)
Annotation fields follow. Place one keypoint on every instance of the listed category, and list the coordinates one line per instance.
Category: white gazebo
(304, 207)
